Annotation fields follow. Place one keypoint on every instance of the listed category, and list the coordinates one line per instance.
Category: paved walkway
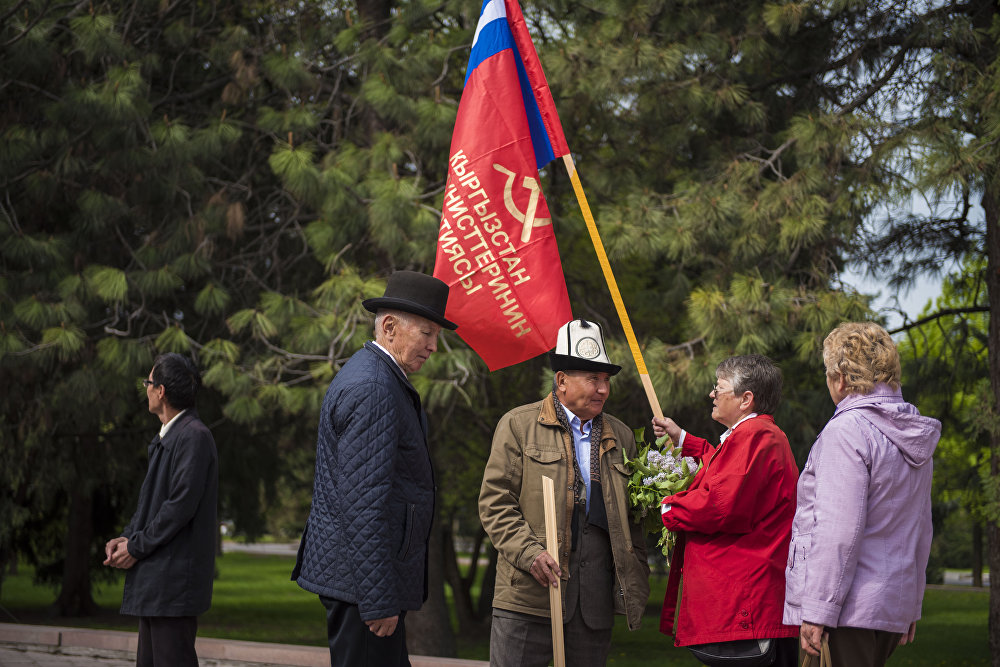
(50, 646)
(20, 657)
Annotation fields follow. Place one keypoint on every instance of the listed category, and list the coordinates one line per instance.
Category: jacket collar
(393, 366)
(182, 421)
(547, 417)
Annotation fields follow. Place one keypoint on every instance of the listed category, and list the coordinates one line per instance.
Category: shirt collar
(166, 427)
(570, 417)
(376, 344)
(729, 430)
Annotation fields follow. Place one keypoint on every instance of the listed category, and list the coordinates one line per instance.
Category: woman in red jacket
(734, 523)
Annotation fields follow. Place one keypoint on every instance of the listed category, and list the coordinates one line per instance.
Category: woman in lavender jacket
(862, 529)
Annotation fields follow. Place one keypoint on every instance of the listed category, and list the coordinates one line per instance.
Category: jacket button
(744, 625)
(744, 612)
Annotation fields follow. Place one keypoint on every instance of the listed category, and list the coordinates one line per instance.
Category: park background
(230, 179)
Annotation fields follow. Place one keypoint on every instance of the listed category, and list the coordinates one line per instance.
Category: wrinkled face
(410, 340)
(583, 392)
(727, 407)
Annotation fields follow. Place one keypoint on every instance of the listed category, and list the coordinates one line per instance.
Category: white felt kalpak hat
(580, 347)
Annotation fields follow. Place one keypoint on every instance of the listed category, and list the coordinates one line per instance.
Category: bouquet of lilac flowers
(656, 473)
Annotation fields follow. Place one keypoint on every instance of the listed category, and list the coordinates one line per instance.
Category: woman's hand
(666, 425)
(811, 637)
(909, 635)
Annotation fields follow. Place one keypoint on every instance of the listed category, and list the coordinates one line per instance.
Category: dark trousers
(522, 640)
(859, 647)
(167, 641)
(786, 652)
(352, 644)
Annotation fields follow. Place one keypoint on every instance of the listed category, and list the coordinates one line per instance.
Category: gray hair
(404, 317)
(757, 374)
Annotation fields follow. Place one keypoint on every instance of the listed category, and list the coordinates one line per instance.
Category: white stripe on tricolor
(491, 12)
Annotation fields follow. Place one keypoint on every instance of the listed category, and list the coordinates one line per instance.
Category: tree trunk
(428, 631)
(460, 589)
(75, 598)
(489, 587)
(977, 554)
(993, 287)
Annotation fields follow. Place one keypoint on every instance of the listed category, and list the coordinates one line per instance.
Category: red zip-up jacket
(734, 525)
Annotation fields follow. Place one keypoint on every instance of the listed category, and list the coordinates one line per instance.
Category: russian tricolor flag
(496, 247)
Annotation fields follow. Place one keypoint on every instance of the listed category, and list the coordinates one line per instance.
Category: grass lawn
(254, 600)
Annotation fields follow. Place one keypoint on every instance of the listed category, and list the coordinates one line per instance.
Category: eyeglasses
(148, 383)
(719, 392)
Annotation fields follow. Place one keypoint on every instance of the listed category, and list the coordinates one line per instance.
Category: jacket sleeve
(364, 467)
(190, 464)
(840, 466)
(499, 499)
(724, 499)
(698, 448)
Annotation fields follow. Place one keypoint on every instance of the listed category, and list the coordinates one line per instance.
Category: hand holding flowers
(658, 471)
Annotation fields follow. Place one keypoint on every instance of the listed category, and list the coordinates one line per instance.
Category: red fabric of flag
(496, 246)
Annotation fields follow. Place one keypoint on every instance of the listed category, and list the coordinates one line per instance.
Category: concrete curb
(211, 652)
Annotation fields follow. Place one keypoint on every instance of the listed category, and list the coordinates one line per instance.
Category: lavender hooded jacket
(862, 529)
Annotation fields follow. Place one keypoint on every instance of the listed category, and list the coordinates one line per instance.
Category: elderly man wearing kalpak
(364, 548)
(601, 567)
(862, 531)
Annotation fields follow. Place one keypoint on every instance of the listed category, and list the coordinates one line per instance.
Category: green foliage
(659, 470)
(231, 180)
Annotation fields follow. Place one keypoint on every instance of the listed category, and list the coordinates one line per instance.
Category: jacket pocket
(539, 455)
(404, 547)
(795, 570)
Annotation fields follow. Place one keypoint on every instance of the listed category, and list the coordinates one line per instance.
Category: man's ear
(388, 323)
(560, 379)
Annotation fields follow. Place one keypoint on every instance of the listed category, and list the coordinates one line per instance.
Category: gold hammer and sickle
(527, 219)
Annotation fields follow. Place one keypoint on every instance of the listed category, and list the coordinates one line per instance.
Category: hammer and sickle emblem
(527, 219)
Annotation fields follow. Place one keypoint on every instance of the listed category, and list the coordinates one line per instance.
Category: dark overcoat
(365, 541)
(174, 529)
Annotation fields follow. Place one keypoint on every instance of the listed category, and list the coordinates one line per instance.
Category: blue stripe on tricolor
(493, 36)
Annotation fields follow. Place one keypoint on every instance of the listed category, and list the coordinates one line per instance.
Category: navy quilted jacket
(365, 541)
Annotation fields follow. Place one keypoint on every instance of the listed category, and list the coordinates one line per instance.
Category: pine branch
(941, 313)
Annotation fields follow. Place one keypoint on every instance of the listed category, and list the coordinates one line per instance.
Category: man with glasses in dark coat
(168, 548)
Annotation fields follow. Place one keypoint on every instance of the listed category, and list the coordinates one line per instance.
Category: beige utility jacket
(530, 443)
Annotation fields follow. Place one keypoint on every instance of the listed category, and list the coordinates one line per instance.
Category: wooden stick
(609, 278)
(555, 594)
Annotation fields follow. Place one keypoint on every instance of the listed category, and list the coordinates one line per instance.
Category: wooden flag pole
(555, 594)
(609, 277)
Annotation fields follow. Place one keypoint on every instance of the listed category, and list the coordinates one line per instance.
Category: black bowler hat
(415, 293)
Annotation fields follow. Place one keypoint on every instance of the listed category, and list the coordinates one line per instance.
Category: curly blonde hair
(864, 354)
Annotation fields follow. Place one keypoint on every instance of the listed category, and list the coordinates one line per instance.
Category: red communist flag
(496, 247)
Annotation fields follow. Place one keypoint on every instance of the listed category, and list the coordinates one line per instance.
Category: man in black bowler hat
(364, 548)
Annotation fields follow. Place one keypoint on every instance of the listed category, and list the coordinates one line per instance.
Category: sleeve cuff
(529, 555)
(680, 440)
(819, 612)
